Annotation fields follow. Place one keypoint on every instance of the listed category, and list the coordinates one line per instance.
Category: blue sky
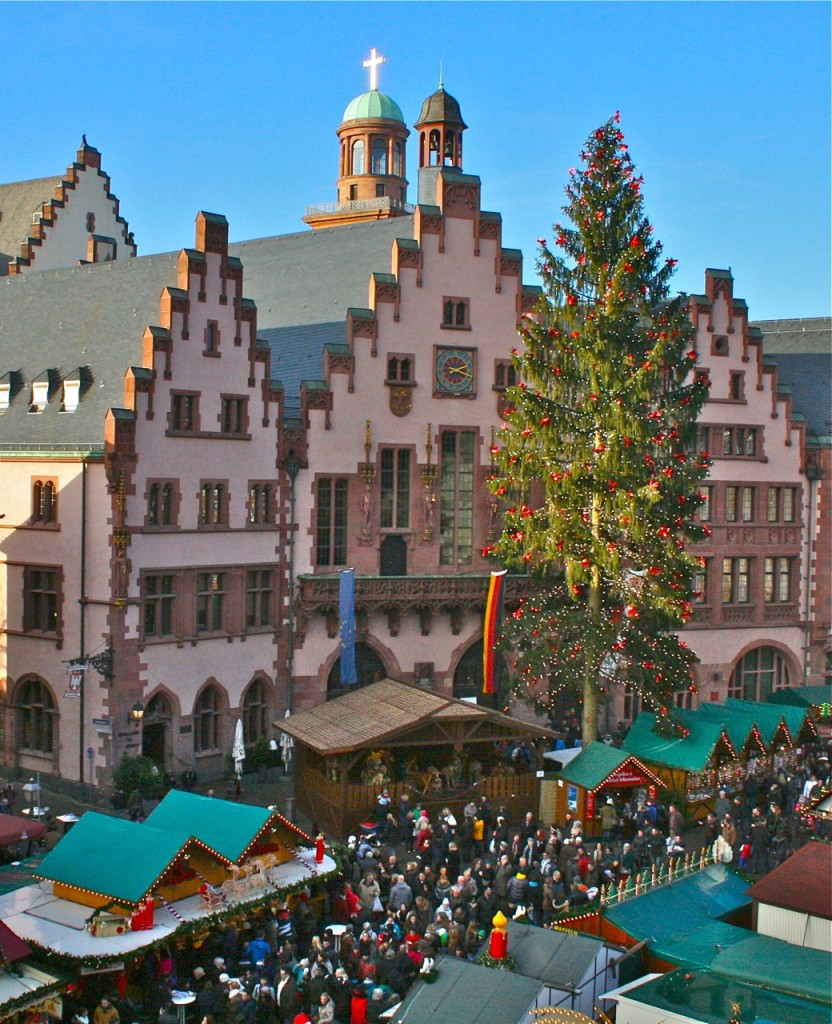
(233, 108)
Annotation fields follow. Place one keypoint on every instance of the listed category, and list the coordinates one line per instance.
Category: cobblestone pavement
(260, 789)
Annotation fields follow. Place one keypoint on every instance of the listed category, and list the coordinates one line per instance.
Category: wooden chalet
(390, 735)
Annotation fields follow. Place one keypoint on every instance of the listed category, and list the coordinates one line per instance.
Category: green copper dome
(373, 104)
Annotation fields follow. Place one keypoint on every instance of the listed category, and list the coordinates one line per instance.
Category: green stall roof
(794, 717)
(113, 857)
(597, 762)
(803, 696)
(690, 753)
(739, 723)
(707, 997)
(683, 924)
(224, 826)
(671, 910)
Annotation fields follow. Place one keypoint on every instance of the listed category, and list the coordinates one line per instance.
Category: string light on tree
(595, 459)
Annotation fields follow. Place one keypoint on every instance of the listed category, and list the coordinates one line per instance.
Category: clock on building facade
(455, 371)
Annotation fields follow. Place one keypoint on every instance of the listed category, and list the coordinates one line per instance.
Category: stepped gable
(30, 209)
(18, 202)
(105, 308)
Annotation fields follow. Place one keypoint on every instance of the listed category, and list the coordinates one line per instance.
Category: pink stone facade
(190, 543)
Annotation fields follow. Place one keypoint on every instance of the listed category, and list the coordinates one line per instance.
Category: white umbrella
(238, 751)
(286, 745)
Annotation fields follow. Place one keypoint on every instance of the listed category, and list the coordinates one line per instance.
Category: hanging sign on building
(75, 671)
(624, 776)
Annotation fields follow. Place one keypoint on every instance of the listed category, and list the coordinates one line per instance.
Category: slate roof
(18, 201)
(94, 317)
(807, 334)
(690, 753)
(802, 352)
(808, 378)
(801, 883)
(226, 827)
(596, 762)
(343, 724)
(467, 993)
(112, 857)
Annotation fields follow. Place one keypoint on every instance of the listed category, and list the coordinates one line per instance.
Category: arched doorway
(368, 666)
(155, 730)
(468, 677)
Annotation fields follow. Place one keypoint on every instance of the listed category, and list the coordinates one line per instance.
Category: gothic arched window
(255, 711)
(206, 720)
(36, 716)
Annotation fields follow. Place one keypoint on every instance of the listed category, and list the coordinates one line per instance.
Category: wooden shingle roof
(382, 710)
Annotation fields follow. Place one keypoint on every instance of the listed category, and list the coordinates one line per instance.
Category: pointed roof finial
(441, 74)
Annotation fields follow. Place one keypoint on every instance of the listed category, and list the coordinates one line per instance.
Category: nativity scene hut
(394, 736)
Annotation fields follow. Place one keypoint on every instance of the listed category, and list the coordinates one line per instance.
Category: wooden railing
(361, 799)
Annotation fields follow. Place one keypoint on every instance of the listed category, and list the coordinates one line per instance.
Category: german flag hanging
(491, 629)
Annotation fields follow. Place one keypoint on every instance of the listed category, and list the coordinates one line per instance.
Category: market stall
(389, 735)
(817, 699)
(113, 889)
(17, 834)
(27, 995)
(597, 773)
(694, 765)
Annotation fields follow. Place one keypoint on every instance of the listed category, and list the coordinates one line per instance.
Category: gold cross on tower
(373, 64)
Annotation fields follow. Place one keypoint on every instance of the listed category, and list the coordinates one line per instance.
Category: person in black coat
(341, 991)
(287, 997)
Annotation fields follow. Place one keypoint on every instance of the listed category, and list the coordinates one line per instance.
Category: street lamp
(136, 713)
(31, 793)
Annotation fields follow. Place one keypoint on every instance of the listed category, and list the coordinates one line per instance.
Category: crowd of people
(416, 888)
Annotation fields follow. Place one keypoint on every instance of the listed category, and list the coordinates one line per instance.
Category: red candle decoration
(498, 944)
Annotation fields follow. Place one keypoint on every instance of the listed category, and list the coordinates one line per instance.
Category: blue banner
(346, 612)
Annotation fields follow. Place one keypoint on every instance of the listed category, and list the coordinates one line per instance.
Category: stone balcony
(396, 596)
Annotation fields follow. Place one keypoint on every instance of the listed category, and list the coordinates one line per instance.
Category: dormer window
(40, 395)
(72, 395)
(5, 394)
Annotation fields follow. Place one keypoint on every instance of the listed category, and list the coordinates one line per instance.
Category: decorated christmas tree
(596, 459)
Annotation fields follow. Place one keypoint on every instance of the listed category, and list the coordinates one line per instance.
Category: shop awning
(14, 829)
(599, 766)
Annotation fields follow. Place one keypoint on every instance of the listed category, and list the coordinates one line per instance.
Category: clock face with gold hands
(455, 371)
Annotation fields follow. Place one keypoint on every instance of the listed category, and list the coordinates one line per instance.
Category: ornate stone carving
(454, 196)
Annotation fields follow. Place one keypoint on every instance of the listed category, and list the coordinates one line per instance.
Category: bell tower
(372, 182)
(440, 128)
